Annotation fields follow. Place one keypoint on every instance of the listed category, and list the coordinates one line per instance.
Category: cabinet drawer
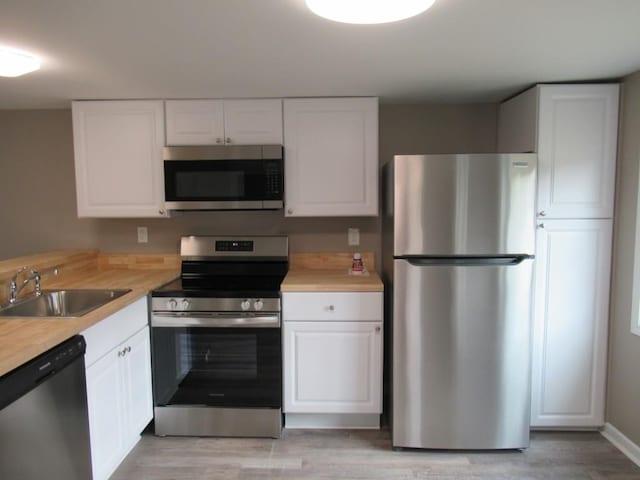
(332, 306)
(115, 329)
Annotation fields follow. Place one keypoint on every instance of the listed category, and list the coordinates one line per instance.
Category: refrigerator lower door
(461, 355)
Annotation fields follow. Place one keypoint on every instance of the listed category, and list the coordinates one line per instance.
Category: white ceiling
(458, 51)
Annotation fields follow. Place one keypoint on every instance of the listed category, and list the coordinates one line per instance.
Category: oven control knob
(257, 305)
(245, 304)
(184, 304)
(172, 304)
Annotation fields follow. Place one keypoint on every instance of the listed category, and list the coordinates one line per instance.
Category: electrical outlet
(353, 235)
(143, 235)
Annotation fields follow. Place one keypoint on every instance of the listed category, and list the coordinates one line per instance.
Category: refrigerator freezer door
(464, 204)
(461, 355)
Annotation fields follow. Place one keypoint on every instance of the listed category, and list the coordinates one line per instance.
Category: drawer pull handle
(331, 308)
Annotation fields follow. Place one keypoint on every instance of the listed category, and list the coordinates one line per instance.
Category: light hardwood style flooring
(367, 454)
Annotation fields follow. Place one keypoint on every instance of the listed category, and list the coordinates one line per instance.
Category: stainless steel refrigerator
(459, 240)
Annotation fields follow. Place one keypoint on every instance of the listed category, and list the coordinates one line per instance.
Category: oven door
(240, 182)
(222, 366)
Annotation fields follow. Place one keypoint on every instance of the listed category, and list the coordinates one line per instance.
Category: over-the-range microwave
(223, 177)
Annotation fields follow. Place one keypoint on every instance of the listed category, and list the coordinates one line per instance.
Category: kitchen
(40, 210)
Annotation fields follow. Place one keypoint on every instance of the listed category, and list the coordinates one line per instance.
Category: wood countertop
(22, 339)
(330, 281)
(328, 272)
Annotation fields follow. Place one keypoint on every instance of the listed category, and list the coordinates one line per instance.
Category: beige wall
(623, 388)
(37, 186)
(408, 129)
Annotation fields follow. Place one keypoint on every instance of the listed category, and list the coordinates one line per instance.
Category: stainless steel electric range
(216, 339)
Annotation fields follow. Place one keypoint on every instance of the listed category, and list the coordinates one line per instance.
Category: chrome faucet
(15, 289)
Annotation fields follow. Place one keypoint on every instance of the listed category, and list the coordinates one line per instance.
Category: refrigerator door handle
(506, 260)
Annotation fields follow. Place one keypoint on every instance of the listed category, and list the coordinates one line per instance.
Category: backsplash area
(305, 234)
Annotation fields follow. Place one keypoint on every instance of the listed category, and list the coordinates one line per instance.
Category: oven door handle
(213, 321)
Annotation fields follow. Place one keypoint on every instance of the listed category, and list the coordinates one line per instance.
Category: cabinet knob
(378, 329)
(161, 212)
(331, 308)
(542, 213)
(290, 211)
(128, 349)
(218, 141)
(541, 225)
(228, 139)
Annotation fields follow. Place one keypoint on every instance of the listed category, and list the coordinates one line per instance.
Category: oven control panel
(160, 304)
(234, 245)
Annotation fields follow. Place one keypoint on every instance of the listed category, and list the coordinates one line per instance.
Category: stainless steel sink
(61, 303)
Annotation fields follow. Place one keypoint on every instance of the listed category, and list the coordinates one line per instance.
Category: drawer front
(115, 329)
(332, 306)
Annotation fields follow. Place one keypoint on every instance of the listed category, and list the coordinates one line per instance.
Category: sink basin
(61, 303)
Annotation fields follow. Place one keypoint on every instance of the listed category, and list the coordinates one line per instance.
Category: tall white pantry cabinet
(573, 128)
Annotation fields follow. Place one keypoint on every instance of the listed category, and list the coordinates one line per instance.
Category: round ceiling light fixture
(14, 63)
(368, 11)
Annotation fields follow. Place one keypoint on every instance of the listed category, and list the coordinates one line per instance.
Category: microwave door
(223, 184)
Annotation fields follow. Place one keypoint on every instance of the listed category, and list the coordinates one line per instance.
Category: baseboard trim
(332, 420)
(621, 442)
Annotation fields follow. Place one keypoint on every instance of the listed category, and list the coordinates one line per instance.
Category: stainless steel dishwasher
(44, 426)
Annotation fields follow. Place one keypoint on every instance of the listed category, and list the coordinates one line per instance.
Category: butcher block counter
(329, 272)
(22, 339)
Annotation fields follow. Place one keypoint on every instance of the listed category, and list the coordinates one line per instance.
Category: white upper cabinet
(574, 130)
(331, 156)
(253, 122)
(195, 122)
(220, 122)
(118, 158)
(577, 138)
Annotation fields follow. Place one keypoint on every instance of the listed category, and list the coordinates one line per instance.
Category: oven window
(191, 184)
(237, 367)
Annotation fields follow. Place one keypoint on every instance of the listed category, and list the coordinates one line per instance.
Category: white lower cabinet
(119, 392)
(573, 261)
(332, 362)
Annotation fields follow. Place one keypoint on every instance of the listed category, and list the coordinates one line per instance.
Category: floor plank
(367, 454)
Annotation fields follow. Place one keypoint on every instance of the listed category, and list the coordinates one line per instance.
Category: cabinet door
(331, 156)
(332, 367)
(195, 122)
(137, 380)
(253, 122)
(577, 135)
(105, 398)
(118, 158)
(573, 259)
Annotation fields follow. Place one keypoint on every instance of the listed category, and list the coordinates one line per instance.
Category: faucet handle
(36, 276)
(15, 276)
(13, 284)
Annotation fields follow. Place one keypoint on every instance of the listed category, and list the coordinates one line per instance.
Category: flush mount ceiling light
(368, 11)
(14, 63)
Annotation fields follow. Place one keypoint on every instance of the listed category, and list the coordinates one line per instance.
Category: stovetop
(229, 267)
(216, 289)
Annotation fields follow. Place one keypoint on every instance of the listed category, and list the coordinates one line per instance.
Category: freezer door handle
(507, 260)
